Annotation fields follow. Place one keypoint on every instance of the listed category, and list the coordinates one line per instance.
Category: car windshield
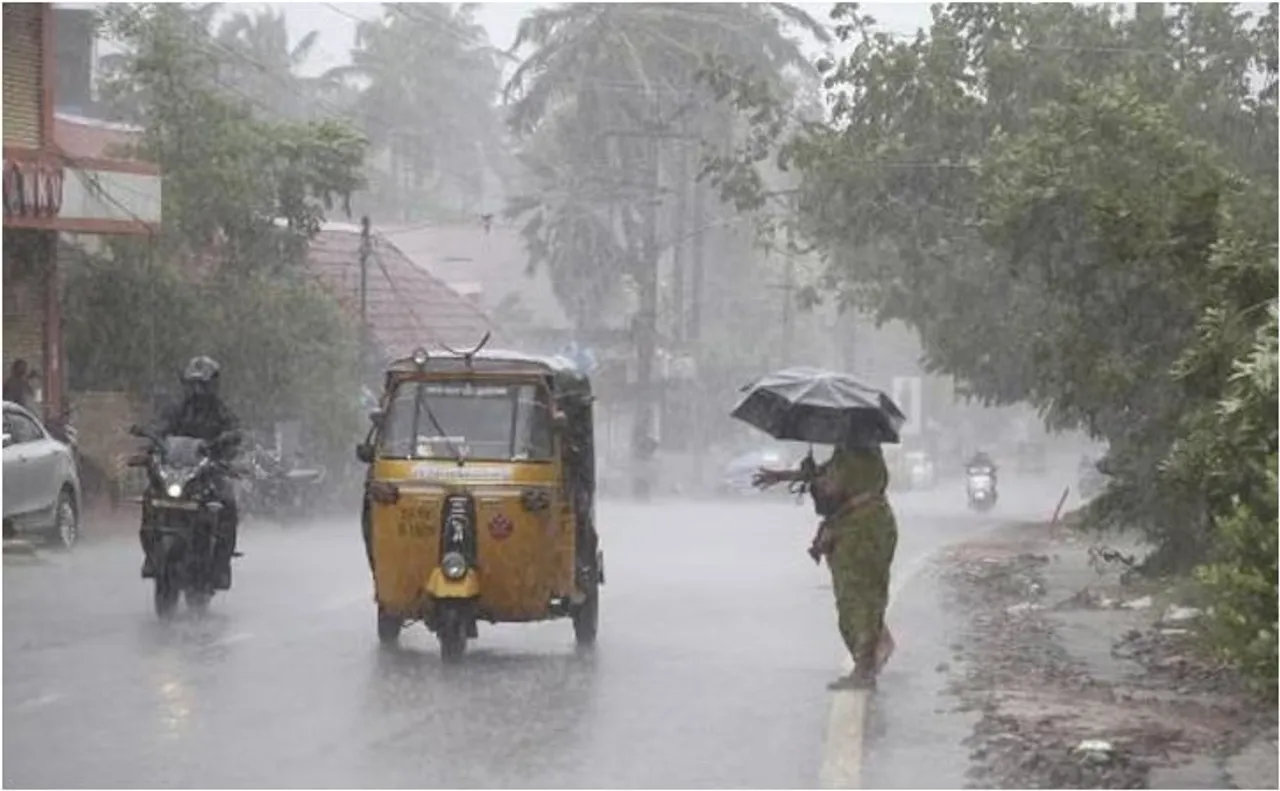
(436, 420)
(182, 451)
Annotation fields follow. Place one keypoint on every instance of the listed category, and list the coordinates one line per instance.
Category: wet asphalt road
(717, 639)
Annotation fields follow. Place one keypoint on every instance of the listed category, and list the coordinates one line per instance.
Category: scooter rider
(981, 461)
(203, 415)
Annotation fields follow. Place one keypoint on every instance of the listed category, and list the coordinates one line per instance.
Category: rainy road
(717, 639)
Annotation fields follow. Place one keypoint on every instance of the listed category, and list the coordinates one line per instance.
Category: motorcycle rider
(202, 414)
(981, 461)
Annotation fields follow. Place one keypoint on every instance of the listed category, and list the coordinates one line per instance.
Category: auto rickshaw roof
(566, 377)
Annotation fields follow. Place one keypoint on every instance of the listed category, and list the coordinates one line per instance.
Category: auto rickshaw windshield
(451, 420)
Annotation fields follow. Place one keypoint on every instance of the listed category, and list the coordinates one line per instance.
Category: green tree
(242, 197)
(429, 103)
(229, 177)
(611, 97)
(984, 182)
(1076, 208)
(262, 63)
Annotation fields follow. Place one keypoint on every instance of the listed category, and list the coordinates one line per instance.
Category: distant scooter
(981, 483)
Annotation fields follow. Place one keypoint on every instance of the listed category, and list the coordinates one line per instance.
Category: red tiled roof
(408, 307)
(493, 259)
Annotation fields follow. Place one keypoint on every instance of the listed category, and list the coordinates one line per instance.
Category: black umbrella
(813, 405)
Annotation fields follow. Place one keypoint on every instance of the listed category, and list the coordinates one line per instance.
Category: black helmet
(200, 377)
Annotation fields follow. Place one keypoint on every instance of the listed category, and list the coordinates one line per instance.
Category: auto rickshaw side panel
(406, 544)
(525, 551)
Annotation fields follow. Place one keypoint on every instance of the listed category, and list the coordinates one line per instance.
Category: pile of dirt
(1105, 706)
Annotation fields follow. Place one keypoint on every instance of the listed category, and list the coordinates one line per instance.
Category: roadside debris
(1176, 614)
(1094, 690)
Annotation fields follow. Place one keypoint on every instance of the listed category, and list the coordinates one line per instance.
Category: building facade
(62, 180)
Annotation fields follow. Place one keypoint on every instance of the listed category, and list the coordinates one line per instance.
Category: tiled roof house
(408, 306)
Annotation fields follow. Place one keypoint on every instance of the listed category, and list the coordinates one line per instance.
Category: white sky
(337, 26)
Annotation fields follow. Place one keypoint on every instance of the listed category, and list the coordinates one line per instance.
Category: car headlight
(453, 565)
(174, 490)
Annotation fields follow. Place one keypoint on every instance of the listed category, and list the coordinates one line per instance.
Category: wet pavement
(717, 639)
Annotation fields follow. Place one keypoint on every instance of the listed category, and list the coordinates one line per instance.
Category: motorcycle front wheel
(198, 601)
(166, 595)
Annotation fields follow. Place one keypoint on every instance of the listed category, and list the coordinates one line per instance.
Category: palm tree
(124, 23)
(615, 78)
(610, 85)
(430, 84)
(598, 52)
(262, 65)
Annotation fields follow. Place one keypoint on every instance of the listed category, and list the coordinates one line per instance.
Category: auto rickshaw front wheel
(451, 631)
(389, 627)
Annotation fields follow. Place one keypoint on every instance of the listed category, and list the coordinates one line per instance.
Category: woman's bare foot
(854, 680)
(884, 649)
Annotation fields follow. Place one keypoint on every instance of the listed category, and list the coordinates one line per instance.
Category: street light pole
(366, 244)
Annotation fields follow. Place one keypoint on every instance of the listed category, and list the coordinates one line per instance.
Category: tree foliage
(229, 175)
(243, 194)
(262, 63)
(286, 350)
(1075, 207)
(430, 81)
(611, 97)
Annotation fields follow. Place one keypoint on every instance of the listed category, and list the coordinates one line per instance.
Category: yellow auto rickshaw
(479, 503)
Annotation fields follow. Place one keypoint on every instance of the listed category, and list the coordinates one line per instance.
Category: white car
(41, 487)
(920, 470)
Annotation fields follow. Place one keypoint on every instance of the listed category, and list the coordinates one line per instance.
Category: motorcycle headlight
(453, 565)
(174, 490)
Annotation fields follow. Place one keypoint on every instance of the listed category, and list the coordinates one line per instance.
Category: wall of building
(23, 74)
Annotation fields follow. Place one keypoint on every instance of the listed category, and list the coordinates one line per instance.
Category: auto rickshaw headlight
(174, 490)
(453, 565)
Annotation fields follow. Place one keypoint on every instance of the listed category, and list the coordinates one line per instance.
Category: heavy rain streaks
(1043, 235)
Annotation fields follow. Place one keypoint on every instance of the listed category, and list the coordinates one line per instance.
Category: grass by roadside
(1085, 680)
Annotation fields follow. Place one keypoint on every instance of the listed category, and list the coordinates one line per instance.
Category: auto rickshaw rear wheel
(389, 627)
(586, 617)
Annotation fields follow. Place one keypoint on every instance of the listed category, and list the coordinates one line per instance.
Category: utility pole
(698, 274)
(642, 439)
(366, 246)
(693, 334)
(678, 274)
(788, 286)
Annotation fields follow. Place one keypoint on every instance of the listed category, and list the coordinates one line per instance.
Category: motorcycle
(981, 484)
(182, 504)
(274, 489)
